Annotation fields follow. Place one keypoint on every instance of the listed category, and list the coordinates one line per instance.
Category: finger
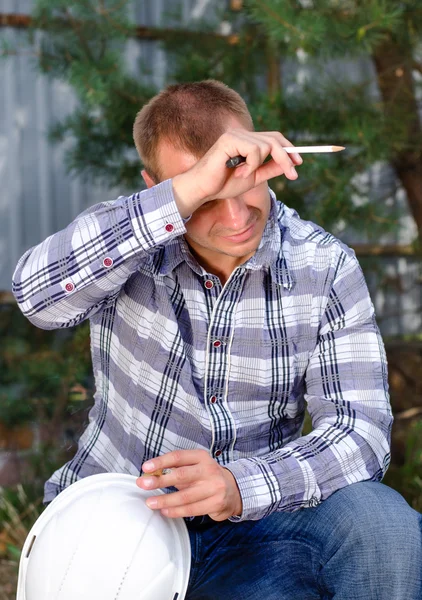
(255, 152)
(177, 458)
(280, 156)
(284, 142)
(197, 509)
(179, 477)
(296, 158)
(271, 141)
(190, 495)
(272, 169)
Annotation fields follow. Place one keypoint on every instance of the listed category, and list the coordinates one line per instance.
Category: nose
(234, 214)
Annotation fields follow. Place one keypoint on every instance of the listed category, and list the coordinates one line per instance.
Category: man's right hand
(209, 178)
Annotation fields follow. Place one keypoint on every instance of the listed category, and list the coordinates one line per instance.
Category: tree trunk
(393, 64)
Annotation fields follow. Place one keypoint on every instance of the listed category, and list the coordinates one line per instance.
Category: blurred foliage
(39, 369)
(407, 478)
(330, 29)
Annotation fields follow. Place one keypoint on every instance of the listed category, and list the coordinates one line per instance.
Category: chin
(240, 252)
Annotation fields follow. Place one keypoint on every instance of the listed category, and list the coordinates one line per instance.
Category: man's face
(231, 227)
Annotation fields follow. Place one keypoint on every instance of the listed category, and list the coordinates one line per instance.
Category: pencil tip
(338, 148)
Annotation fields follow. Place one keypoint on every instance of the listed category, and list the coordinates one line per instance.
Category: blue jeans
(363, 542)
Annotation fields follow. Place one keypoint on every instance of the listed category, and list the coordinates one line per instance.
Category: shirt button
(213, 399)
(217, 344)
(169, 227)
(209, 284)
(107, 262)
(218, 453)
(69, 287)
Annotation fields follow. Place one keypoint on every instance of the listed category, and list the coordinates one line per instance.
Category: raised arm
(77, 271)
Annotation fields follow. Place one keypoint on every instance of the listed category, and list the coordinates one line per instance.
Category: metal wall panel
(37, 197)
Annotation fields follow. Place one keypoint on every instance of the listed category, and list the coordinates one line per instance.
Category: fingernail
(165, 512)
(293, 172)
(148, 482)
(297, 157)
(150, 466)
(152, 502)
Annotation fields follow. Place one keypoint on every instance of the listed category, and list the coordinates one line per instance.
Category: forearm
(74, 272)
(308, 470)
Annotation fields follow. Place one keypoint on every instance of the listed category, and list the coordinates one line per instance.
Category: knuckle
(161, 502)
(220, 505)
(185, 497)
(215, 470)
(177, 455)
(180, 473)
(227, 135)
(221, 486)
(219, 517)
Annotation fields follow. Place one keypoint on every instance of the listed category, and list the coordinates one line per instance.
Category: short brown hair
(191, 116)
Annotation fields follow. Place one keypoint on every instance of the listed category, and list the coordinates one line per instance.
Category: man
(216, 313)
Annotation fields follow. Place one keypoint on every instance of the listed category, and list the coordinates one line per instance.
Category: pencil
(237, 160)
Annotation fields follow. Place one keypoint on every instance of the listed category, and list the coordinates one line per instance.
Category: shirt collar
(269, 254)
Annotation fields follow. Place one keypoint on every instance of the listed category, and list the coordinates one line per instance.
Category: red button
(107, 262)
(69, 287)
(169, 227)
(213, 399)
(209, 284)
(218, 453)
(217, 344)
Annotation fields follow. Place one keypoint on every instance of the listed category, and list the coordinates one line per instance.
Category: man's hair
(190, 116)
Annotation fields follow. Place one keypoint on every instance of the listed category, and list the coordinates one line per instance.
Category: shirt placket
(217, 372)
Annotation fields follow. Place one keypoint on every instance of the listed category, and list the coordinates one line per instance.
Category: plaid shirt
(182, 362)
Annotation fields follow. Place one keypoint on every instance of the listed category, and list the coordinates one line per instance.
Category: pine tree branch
(19, 21)
(76, 26)
(278, 18)
(104, 12)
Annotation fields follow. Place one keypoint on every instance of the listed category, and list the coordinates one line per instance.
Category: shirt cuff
(154, 216)
(258, 487)
(271, 484)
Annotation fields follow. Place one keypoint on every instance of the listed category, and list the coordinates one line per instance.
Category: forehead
(173, 161)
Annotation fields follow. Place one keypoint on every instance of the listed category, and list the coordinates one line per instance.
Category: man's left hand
(204, 487)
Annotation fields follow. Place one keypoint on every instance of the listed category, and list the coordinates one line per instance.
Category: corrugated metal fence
(37, 197)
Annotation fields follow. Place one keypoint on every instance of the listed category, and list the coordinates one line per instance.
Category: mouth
(242, 236)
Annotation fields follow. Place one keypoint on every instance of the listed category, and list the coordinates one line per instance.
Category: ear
(148, 179)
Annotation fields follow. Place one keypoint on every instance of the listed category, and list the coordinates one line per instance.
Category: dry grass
(17, 517)
(8, 579)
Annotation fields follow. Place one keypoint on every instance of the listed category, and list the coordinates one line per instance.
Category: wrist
(187, 200)
(237, 504)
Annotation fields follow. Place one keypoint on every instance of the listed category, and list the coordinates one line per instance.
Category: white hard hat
(99, 541)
